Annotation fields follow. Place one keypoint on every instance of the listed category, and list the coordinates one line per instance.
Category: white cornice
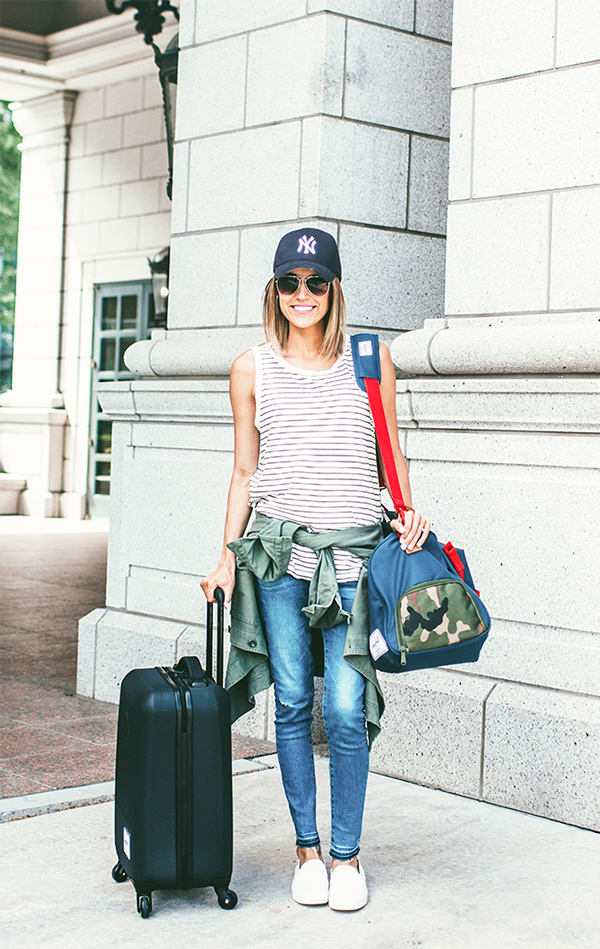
(106, 30)
(83, 57)
(203, 352)
(28, 46)
(13, 43)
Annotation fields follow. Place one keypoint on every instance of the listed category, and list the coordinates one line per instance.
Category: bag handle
(220, 601)
(189, 666)
(367, 369)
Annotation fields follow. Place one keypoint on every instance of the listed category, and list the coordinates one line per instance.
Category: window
(123, 314)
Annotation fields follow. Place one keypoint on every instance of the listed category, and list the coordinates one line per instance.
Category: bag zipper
(400, 635)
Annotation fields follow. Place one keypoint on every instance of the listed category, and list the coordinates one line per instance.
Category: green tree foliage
(10, 173)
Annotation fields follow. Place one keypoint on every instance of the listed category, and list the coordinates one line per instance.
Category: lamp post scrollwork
(149, 18)
(150, 21)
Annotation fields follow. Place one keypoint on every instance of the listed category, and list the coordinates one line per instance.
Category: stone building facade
(93, 209)
(338, 113)
(502, 412)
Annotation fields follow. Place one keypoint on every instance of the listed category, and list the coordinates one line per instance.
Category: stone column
(289, 113)
(32, 416)
(45, 125)
(504, 414)
(333, 114)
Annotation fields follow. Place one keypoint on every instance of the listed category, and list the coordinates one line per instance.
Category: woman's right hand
(223, 576)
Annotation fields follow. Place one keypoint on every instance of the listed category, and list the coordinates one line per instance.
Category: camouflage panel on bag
(429, 616)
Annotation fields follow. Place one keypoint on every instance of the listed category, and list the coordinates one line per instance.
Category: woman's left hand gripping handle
(223, 576)
(413, 533)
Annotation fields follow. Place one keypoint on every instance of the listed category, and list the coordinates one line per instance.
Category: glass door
(123, 314)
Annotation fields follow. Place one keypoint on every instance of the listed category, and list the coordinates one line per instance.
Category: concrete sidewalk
(444, 872)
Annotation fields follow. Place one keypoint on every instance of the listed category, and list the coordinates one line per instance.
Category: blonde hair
(277, 328)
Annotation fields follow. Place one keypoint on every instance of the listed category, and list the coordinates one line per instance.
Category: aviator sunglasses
(290, 283)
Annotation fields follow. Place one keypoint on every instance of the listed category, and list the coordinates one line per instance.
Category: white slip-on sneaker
(310, 885)
(348, 887)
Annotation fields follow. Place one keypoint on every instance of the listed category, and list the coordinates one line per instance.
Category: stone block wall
(503, 442)
(117, 172)
(525, 178)
(499, 418)
(331, 113)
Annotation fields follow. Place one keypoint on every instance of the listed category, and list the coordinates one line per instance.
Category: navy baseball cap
(308, 247)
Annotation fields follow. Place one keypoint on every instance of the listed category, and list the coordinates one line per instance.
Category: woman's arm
(416, 527)
(241, 392)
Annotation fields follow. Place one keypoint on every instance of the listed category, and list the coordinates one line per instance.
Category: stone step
(11, 488)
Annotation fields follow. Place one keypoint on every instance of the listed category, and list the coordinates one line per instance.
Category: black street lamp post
(167, 70)
(150, 21)
(159, 268)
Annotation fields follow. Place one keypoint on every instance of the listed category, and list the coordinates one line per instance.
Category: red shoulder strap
(385, 444)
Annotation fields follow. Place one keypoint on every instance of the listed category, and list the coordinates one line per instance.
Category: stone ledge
(48, 802)
(501, 345)
(30, 415)
(490, 403)
(11, 482)
(201, 352)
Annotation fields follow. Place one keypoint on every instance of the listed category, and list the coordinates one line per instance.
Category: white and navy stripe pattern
(318, 462)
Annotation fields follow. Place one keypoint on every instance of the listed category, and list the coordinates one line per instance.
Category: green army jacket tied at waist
(265, 553)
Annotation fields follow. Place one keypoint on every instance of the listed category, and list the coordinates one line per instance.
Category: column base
(31, 448)
(112, 642)
(529, 748)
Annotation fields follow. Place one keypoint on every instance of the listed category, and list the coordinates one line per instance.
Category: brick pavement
(53, 573)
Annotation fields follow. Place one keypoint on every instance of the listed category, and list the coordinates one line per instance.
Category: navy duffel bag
(423, 609)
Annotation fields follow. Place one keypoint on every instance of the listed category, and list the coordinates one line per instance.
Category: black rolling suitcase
(173, 796)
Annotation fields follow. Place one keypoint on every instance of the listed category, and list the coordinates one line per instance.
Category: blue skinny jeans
(289, 638)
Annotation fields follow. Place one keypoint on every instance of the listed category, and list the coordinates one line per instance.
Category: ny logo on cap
(307, 245)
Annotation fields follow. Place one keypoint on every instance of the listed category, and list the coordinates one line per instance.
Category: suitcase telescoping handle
(220, 600)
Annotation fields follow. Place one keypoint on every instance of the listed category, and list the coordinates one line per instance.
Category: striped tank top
(317, 462)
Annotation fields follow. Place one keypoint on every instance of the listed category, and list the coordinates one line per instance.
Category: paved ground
(53, 572)
(444, 872)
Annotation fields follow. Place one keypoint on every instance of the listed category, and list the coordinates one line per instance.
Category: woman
(306, 464)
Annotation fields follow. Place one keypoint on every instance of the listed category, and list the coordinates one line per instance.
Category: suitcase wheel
(227, 898)
(118, 873)
(144, 904)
